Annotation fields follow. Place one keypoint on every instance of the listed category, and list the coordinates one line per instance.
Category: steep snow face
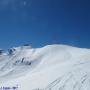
(53, 67)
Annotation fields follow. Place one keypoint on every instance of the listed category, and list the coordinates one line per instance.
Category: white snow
(53, 67)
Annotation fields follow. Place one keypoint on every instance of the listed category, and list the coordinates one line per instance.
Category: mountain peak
(56, 66)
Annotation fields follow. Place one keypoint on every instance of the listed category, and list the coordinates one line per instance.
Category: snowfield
(53, 67)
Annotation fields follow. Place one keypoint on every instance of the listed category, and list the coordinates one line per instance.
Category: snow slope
(53, 67)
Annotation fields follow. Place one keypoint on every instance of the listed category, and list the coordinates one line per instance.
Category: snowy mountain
(53, 67)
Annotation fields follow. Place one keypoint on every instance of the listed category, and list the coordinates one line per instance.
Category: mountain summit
(53, 67)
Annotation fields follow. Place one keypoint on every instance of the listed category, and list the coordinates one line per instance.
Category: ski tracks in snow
(77, 79)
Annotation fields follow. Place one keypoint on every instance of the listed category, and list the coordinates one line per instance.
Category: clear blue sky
(42, 22)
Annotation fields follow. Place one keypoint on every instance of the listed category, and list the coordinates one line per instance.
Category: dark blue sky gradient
(42, 22)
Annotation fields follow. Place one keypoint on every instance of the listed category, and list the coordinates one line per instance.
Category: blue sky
(42, 22)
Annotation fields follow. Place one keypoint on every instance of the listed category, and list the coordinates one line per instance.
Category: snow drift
(53, 67)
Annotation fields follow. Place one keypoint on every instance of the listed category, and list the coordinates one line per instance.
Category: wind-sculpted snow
(53, 67)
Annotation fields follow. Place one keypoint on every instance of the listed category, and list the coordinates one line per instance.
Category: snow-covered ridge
(53, 67)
